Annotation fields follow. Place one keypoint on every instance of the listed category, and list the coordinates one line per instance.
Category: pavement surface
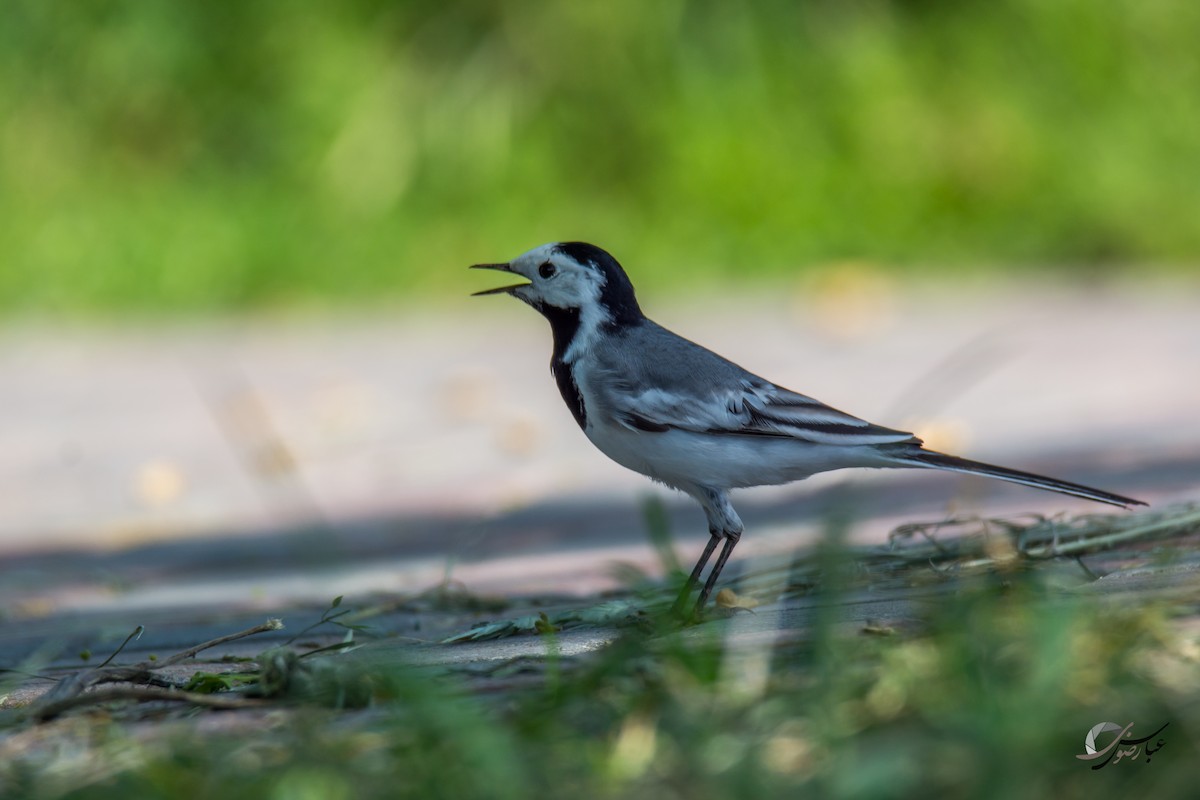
(196, 478)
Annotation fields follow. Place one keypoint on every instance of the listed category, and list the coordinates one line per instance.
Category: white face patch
(560, 281)
(557, 279)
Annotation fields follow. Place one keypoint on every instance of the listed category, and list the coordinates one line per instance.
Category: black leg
(731, 540)
(695, 576)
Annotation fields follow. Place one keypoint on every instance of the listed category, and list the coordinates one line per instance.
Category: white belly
(685, 459)
(720, 461)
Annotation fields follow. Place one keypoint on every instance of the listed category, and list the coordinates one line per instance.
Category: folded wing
(752, 407)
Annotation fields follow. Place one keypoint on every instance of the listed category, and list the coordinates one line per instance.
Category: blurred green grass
(992, 699)
(165, 156)
(985, 689)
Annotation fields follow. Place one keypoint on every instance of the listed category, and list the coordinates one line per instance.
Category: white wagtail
(682, 415)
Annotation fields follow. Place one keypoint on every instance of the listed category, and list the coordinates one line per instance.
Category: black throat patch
(564, 325)
(619, 304)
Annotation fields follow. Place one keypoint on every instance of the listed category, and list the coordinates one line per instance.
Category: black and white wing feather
(755, 408)
(651, 392)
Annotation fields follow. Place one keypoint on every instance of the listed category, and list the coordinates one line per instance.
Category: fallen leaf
(727, 598)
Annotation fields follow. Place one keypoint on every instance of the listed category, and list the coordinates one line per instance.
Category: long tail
(928, 458)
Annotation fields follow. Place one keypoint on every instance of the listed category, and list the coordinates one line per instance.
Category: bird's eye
(546, 270)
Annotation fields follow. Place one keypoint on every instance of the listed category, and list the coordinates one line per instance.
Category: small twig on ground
(1155, 527)
(328, 615)
(1086, 569)
(69, 692)
(135, 634)
(266, 627)
(142, 694)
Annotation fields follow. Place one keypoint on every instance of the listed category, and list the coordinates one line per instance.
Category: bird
(686, 417)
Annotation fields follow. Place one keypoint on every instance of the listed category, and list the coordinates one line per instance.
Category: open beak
(498, 289)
